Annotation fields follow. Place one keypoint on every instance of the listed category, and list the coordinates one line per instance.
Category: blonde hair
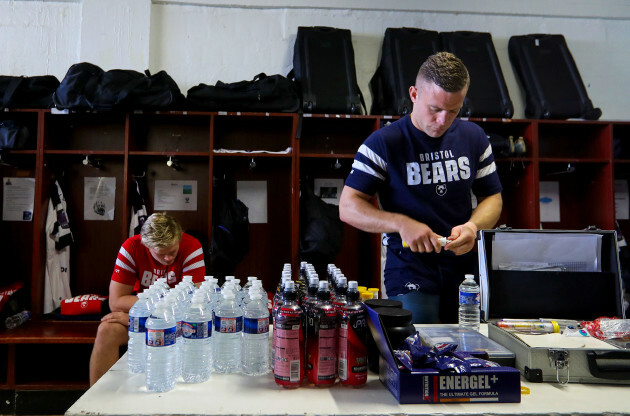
(446, 71)
(160, 231)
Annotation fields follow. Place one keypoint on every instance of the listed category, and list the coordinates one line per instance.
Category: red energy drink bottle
(353, 363)
(321, 340)
(288, 339)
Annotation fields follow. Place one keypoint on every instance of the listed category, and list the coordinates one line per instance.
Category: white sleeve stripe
(376, 159)
(127, 256)
(194, 266)
(124, 266)
(365, 168)
(486, 171)
(486, 154)
(194, 254)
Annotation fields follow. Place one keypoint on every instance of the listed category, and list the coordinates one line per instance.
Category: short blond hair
(446, 71)
(160, 231)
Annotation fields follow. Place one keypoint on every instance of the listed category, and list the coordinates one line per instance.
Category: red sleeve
(126, 268)
(192, 253)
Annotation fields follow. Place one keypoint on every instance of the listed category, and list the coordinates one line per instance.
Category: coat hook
(96, 163)
(172, 163)
(252, 164)
(337, 164)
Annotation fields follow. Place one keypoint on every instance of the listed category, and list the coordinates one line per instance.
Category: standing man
(160, 250)
(423, 168)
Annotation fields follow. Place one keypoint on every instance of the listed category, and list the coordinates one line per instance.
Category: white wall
(229, 40)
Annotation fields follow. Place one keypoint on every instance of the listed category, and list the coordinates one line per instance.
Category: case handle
(610, 371)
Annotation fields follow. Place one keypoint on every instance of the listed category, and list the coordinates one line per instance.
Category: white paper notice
(549, 201)
(622, 207)
(254, 195)
(18, 199)
(99, 199)
(175, 196)
(329, 190)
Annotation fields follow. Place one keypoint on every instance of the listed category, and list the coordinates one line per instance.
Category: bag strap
(10, 91)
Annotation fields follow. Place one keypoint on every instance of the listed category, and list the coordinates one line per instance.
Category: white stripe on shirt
(365, 168)
(127, 256)
(486, 171)
(194, 266)
(486, 154)
(192, 255)
(376, 159)
(123, 265)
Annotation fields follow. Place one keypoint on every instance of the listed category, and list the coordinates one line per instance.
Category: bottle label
(468, 298)
(353, 347)
(196, 330)
(161, 337)
(321, 345)
(256, 325)
(288, 347)
(228, 325)
(137, 324)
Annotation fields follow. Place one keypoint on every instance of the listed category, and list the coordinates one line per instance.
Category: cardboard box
(481, 385)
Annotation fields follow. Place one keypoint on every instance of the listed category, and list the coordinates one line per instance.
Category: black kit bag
(274, 93)
(547, 72)
(487, 95)
(88, 87)
(403, 52)
(230, 231)
(324, 69)
(13, 135)
(27, 92)
(321, 230)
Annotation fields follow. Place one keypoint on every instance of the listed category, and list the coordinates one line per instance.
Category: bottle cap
(365, 296)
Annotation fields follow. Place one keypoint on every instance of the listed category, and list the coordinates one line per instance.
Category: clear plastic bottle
(136, 346)
(353, 336)
(469, 312)
(16, 320)
(161, 339)
(228, 325)
(196, 340)
(255, 359)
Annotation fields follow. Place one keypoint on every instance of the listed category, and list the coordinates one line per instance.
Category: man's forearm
(487, 212)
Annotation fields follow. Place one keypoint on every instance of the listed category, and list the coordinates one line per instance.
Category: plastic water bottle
(16, 320)
(469, 313)
(228, 325)
(161, 339)
(255, 358)
(196, 341)
(136, 346)
(177, 308)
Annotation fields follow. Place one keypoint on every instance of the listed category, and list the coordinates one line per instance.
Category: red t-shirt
(136, 266)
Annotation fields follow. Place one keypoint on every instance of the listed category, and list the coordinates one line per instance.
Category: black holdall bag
(552, 82)
(13, 135)
(403, 52)
(487, 95)
(27, 92)
(324, 69)
(274, 93)
(88, 87)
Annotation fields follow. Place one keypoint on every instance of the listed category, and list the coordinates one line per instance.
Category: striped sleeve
(369, 169)
(125, 269)
(487, 180)
(193, 264)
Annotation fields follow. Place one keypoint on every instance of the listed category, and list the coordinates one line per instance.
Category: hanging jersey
(136, 266)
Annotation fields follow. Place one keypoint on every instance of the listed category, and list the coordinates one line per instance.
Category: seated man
(161, 250)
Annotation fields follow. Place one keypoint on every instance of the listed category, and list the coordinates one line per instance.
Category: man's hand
(419, 237)
(462, 238)
(116, 317)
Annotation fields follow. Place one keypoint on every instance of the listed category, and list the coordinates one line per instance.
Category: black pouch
(27, 92)
(12, 135)
(274, 93)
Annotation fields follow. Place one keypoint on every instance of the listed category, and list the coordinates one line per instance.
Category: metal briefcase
(554, 274)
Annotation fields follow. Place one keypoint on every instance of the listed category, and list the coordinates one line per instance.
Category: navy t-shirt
(428, 179)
